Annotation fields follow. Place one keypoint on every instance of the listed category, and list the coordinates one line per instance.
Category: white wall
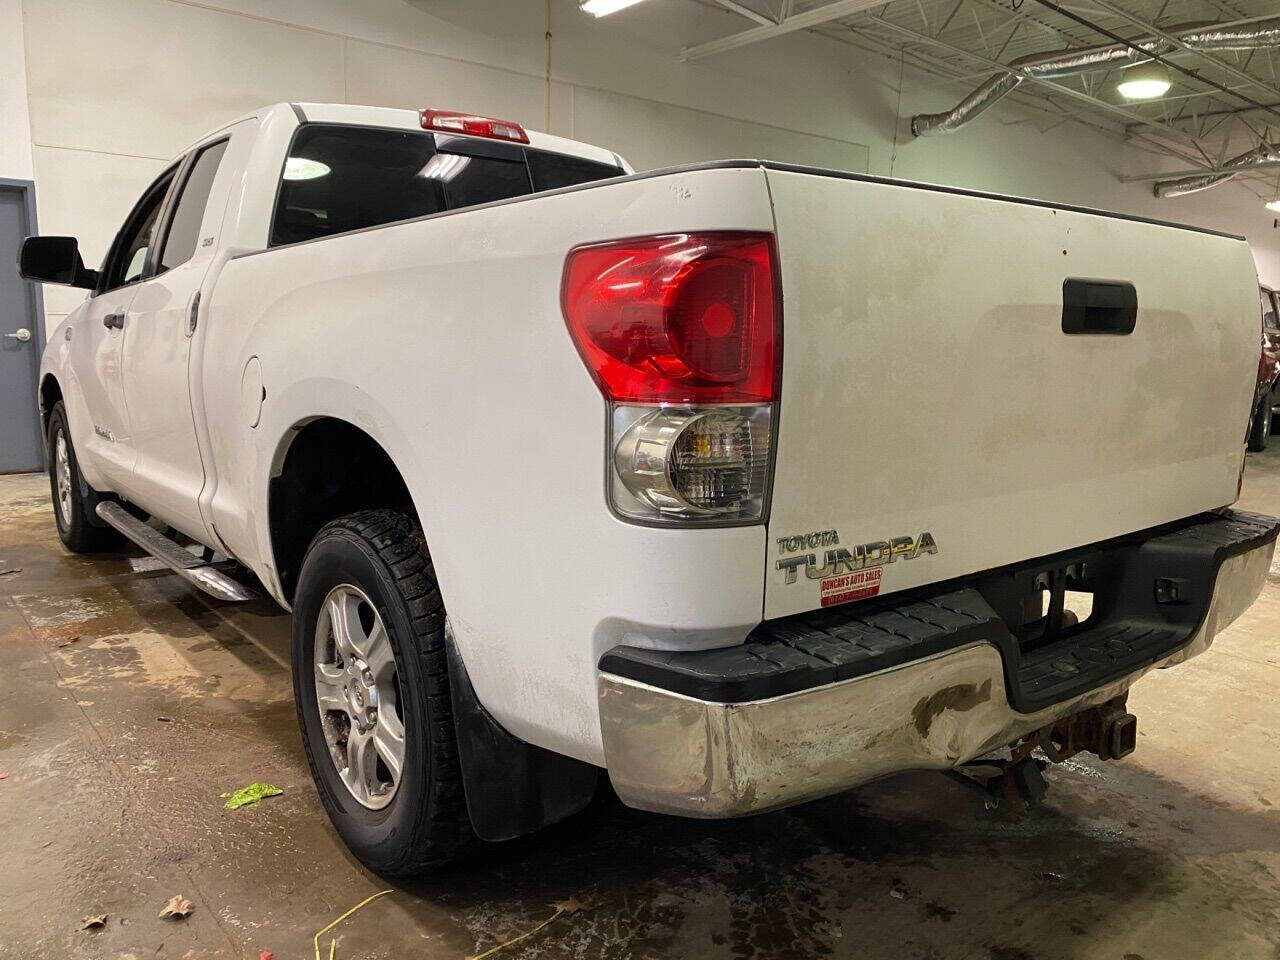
(116, 87)
(15, 123)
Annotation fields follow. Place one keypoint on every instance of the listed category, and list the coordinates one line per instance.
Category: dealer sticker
(851, 586)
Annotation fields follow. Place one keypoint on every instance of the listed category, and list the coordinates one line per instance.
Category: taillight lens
(686, 318)
(682, 335)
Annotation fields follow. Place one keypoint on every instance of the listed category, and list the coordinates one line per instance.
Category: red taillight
(686, 318)
(447, 121)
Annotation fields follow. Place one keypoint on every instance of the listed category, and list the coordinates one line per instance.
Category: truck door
(97, 342)
(168, 472)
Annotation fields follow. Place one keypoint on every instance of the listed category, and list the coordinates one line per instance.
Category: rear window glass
(471, 180)
(345, 178)
(552, 170)
(339, 178)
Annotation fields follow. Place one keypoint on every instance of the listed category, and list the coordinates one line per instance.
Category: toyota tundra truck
(743, 483)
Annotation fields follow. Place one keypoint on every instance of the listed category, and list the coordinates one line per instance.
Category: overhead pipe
(1262, 153)
(1066, 63)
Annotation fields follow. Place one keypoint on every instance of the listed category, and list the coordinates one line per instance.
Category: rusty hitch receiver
(1107, 731)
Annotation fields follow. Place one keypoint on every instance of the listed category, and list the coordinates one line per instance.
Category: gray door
(21, 342)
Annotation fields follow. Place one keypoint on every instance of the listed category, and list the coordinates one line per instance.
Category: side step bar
(183, 562)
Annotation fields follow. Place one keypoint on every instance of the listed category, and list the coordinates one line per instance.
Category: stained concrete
(128, 704)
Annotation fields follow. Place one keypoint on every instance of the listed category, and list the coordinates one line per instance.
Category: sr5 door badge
(849, 573)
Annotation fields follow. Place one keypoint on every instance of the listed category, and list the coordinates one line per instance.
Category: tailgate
(937, 421)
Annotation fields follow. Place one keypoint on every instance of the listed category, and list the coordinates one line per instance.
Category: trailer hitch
(1107, 731)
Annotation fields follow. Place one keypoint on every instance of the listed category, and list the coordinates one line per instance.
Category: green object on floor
(251, 794)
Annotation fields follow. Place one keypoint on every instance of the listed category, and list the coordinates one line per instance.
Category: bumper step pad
(1151, 594)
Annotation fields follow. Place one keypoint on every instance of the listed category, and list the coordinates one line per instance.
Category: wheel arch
(325, 467)
(50, 394)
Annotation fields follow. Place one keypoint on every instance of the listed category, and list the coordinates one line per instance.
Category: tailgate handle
(1098, 306)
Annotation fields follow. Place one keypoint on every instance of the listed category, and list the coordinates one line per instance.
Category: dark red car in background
(1267, 397)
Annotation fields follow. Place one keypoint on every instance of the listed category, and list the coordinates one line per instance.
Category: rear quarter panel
(443, 339)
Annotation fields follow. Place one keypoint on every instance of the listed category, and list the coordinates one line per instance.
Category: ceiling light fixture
(300, 168)
(1146, 81)
(1273, 205)
(602, 8)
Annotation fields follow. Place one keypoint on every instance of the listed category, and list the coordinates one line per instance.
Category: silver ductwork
(1065, 63)
(1262, 153)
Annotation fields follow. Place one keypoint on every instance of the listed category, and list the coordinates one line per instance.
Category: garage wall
(116, 87)
(15, 122)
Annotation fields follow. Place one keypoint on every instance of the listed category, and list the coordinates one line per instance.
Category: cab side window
(188, 214)
(1270, 320)
(127, 260)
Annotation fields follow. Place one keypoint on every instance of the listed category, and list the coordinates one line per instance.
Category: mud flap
(512, 787)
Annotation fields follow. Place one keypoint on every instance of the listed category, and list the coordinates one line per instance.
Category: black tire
(78, 525)
(425, 824)
(1260, 425)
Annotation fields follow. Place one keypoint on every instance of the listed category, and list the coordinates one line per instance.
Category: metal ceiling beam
(1027, 100)
(1218, 113)
(746, 12)
(1201, 54)
(947, 72)
(1068, 91)
(1175, 174)
(798, 21)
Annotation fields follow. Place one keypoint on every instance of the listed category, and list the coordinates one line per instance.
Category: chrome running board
(181, 561)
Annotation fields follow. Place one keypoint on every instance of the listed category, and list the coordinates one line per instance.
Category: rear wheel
(74, 501)
(372, 689)
(1260, 425)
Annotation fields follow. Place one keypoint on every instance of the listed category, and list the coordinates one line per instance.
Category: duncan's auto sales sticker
(851, 586)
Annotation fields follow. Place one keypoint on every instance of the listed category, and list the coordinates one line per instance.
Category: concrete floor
(128, 703)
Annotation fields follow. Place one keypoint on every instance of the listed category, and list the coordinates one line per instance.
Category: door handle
(1099, 306)
(22, 335)
(115, 320)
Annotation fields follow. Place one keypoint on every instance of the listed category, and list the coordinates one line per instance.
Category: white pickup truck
(743, 482)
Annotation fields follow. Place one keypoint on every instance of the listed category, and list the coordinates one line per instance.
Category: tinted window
(128, 257)
(346, 178)
(184, 229)
(471, 180)
(552, 170)
(1269, 317)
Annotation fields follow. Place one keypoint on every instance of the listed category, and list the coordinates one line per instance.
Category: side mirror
(54, 260)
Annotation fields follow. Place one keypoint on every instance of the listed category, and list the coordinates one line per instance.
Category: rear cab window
(339, 178)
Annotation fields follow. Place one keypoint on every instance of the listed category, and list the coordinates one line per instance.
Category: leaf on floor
(69, 641)
(248, 796)
(570, 906)
(95, 922)
(177, 908)
(4, 776)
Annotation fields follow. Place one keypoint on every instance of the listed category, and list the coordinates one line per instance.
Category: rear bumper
(816, 704)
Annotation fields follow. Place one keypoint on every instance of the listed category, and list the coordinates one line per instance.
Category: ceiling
(966, 41)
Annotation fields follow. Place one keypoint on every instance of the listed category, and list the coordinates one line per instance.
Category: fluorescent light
(444, 167)
(300, 168)
(1273, 205)
(602, 8)
(1146, 81)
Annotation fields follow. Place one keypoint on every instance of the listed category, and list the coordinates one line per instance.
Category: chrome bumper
(671, 753)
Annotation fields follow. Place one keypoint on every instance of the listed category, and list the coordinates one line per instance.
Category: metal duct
(1065, 63)
(1262, 153)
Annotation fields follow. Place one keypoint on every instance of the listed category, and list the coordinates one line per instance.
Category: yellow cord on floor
(333, 943)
